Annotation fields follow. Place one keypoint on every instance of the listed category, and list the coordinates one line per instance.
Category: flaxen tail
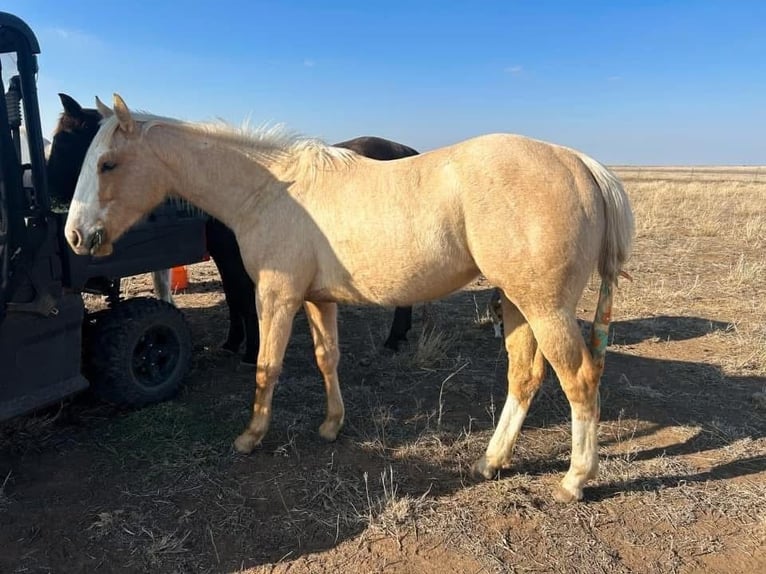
(618, 235)
(615, 250)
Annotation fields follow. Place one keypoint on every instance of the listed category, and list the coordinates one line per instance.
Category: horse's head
(76, 128)
(121, 180)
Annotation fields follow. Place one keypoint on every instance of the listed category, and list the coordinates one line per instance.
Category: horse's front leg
(323, 320)
(276, 311)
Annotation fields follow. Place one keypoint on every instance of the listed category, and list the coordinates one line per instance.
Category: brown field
(87, 488)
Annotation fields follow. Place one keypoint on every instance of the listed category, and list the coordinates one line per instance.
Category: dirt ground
(85, 487)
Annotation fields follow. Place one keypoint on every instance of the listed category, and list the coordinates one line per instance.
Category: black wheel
(138, 352)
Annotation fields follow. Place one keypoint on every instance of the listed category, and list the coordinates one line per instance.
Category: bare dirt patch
(87, 488)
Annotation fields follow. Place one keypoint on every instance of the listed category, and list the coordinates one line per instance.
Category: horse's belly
(392, 255)
(426, 286)
(388, 281)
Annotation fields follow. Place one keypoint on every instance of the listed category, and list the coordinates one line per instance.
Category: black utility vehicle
(134, 352)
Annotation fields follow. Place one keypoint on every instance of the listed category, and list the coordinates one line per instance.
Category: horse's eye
(107, 166)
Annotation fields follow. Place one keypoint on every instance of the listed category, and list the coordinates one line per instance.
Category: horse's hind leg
(526, 369)
(161, 280)
(562, 344)
(275, 319)
(323, 320)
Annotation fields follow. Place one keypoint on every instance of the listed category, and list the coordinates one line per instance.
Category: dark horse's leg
(399, 327)
(216, 244)
(252, 337)
(238, 290)
(236, 329)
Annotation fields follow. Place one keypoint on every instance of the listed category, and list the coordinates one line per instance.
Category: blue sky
(627, 82)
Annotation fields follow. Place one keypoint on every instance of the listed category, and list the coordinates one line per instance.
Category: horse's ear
(71, 107)
(123, 115)
(103, 109)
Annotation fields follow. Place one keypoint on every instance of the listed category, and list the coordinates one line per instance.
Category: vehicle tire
(138, 352)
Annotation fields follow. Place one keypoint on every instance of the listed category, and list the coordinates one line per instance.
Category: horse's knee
(582, 389)
(327, 358)
(266, 375)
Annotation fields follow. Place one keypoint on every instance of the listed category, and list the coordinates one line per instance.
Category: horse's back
(503, 174)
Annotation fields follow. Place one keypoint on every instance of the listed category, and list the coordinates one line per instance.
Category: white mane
(267, 141)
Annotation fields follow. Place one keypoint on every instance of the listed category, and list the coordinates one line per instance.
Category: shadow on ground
(98, 489)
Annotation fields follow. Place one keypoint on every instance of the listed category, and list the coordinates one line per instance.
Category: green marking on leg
(599, 335)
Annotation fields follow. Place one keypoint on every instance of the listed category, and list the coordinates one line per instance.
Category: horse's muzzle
(94, 243)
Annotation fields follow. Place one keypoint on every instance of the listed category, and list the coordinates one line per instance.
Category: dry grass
(432, 348)
(700, 246)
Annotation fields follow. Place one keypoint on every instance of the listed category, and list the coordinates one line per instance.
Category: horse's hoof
(565, 496)
(329, 430)
(246, 442)
(483, 469)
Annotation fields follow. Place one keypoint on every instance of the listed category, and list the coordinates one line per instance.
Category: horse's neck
(217, 176)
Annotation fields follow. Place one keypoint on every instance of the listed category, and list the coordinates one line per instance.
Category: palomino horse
(319, 225)
(77, 127)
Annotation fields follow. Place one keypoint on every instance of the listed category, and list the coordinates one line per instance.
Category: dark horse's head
(377, 148)
(76, 128)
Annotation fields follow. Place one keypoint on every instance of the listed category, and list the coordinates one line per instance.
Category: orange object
(179, 278)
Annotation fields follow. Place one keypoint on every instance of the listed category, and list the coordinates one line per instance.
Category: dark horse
(77, 127)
